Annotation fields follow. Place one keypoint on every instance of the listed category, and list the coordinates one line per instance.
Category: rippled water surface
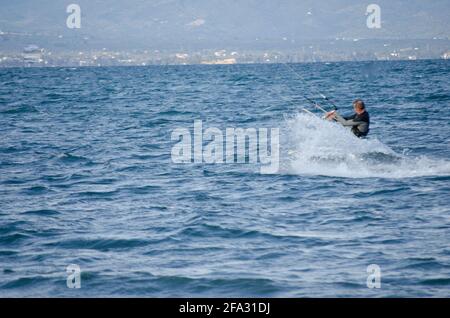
(86, 178)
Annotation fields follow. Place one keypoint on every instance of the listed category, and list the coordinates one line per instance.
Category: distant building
(224, 61)
(221, 53)
(32, 54)
(182, 56)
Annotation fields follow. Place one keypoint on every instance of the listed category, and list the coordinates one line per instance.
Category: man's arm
(349, 117)
(348, 121)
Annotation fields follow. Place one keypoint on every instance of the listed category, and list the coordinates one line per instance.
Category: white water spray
(319, 147)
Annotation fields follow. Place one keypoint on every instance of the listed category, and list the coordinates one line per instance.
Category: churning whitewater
(319, 147)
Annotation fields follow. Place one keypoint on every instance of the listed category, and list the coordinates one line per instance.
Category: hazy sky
(211, 23)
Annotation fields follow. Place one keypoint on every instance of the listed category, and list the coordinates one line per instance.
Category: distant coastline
(213, 63)
(336, 50)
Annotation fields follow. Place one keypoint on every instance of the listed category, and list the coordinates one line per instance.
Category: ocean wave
(44, 212)
(100, 244)
(20, 110)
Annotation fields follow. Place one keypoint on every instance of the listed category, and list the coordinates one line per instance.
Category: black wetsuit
(359, 123)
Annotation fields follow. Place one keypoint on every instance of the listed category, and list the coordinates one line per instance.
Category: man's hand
(330, 115)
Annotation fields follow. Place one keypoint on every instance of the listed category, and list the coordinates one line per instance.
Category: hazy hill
(166, 24)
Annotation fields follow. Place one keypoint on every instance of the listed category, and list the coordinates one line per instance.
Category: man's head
(359, 106)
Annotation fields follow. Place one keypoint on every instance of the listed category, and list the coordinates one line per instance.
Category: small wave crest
(319, 147)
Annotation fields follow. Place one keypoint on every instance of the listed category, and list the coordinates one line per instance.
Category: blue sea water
(86, 178)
